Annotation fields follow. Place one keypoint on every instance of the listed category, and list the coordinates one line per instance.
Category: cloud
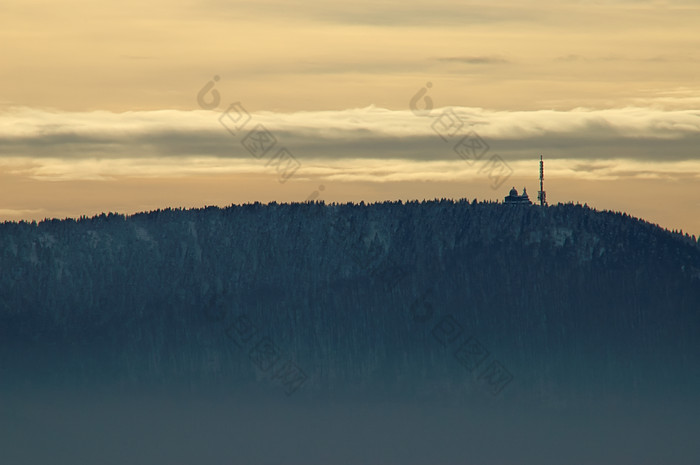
(571, 57)
(475, 60)
(7, 212)
(437, 13)
(345, 170)
(373, 133)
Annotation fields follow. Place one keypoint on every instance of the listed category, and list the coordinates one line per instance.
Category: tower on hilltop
(542, 195)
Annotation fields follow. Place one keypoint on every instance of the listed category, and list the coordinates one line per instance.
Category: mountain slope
(345, 288)
(431, 332)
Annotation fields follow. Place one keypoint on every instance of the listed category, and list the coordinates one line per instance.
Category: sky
(132, 106)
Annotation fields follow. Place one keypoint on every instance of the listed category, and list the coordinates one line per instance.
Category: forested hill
(413, 298)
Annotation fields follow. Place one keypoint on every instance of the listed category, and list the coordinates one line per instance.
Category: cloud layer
(591, 143)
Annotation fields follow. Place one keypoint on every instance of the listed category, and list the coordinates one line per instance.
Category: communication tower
(542, 195)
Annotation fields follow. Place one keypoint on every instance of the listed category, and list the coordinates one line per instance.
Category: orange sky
(99, 110)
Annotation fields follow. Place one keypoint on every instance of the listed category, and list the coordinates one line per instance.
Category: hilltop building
(515, 199)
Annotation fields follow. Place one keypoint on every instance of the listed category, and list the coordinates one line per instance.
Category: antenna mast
(542, 195)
